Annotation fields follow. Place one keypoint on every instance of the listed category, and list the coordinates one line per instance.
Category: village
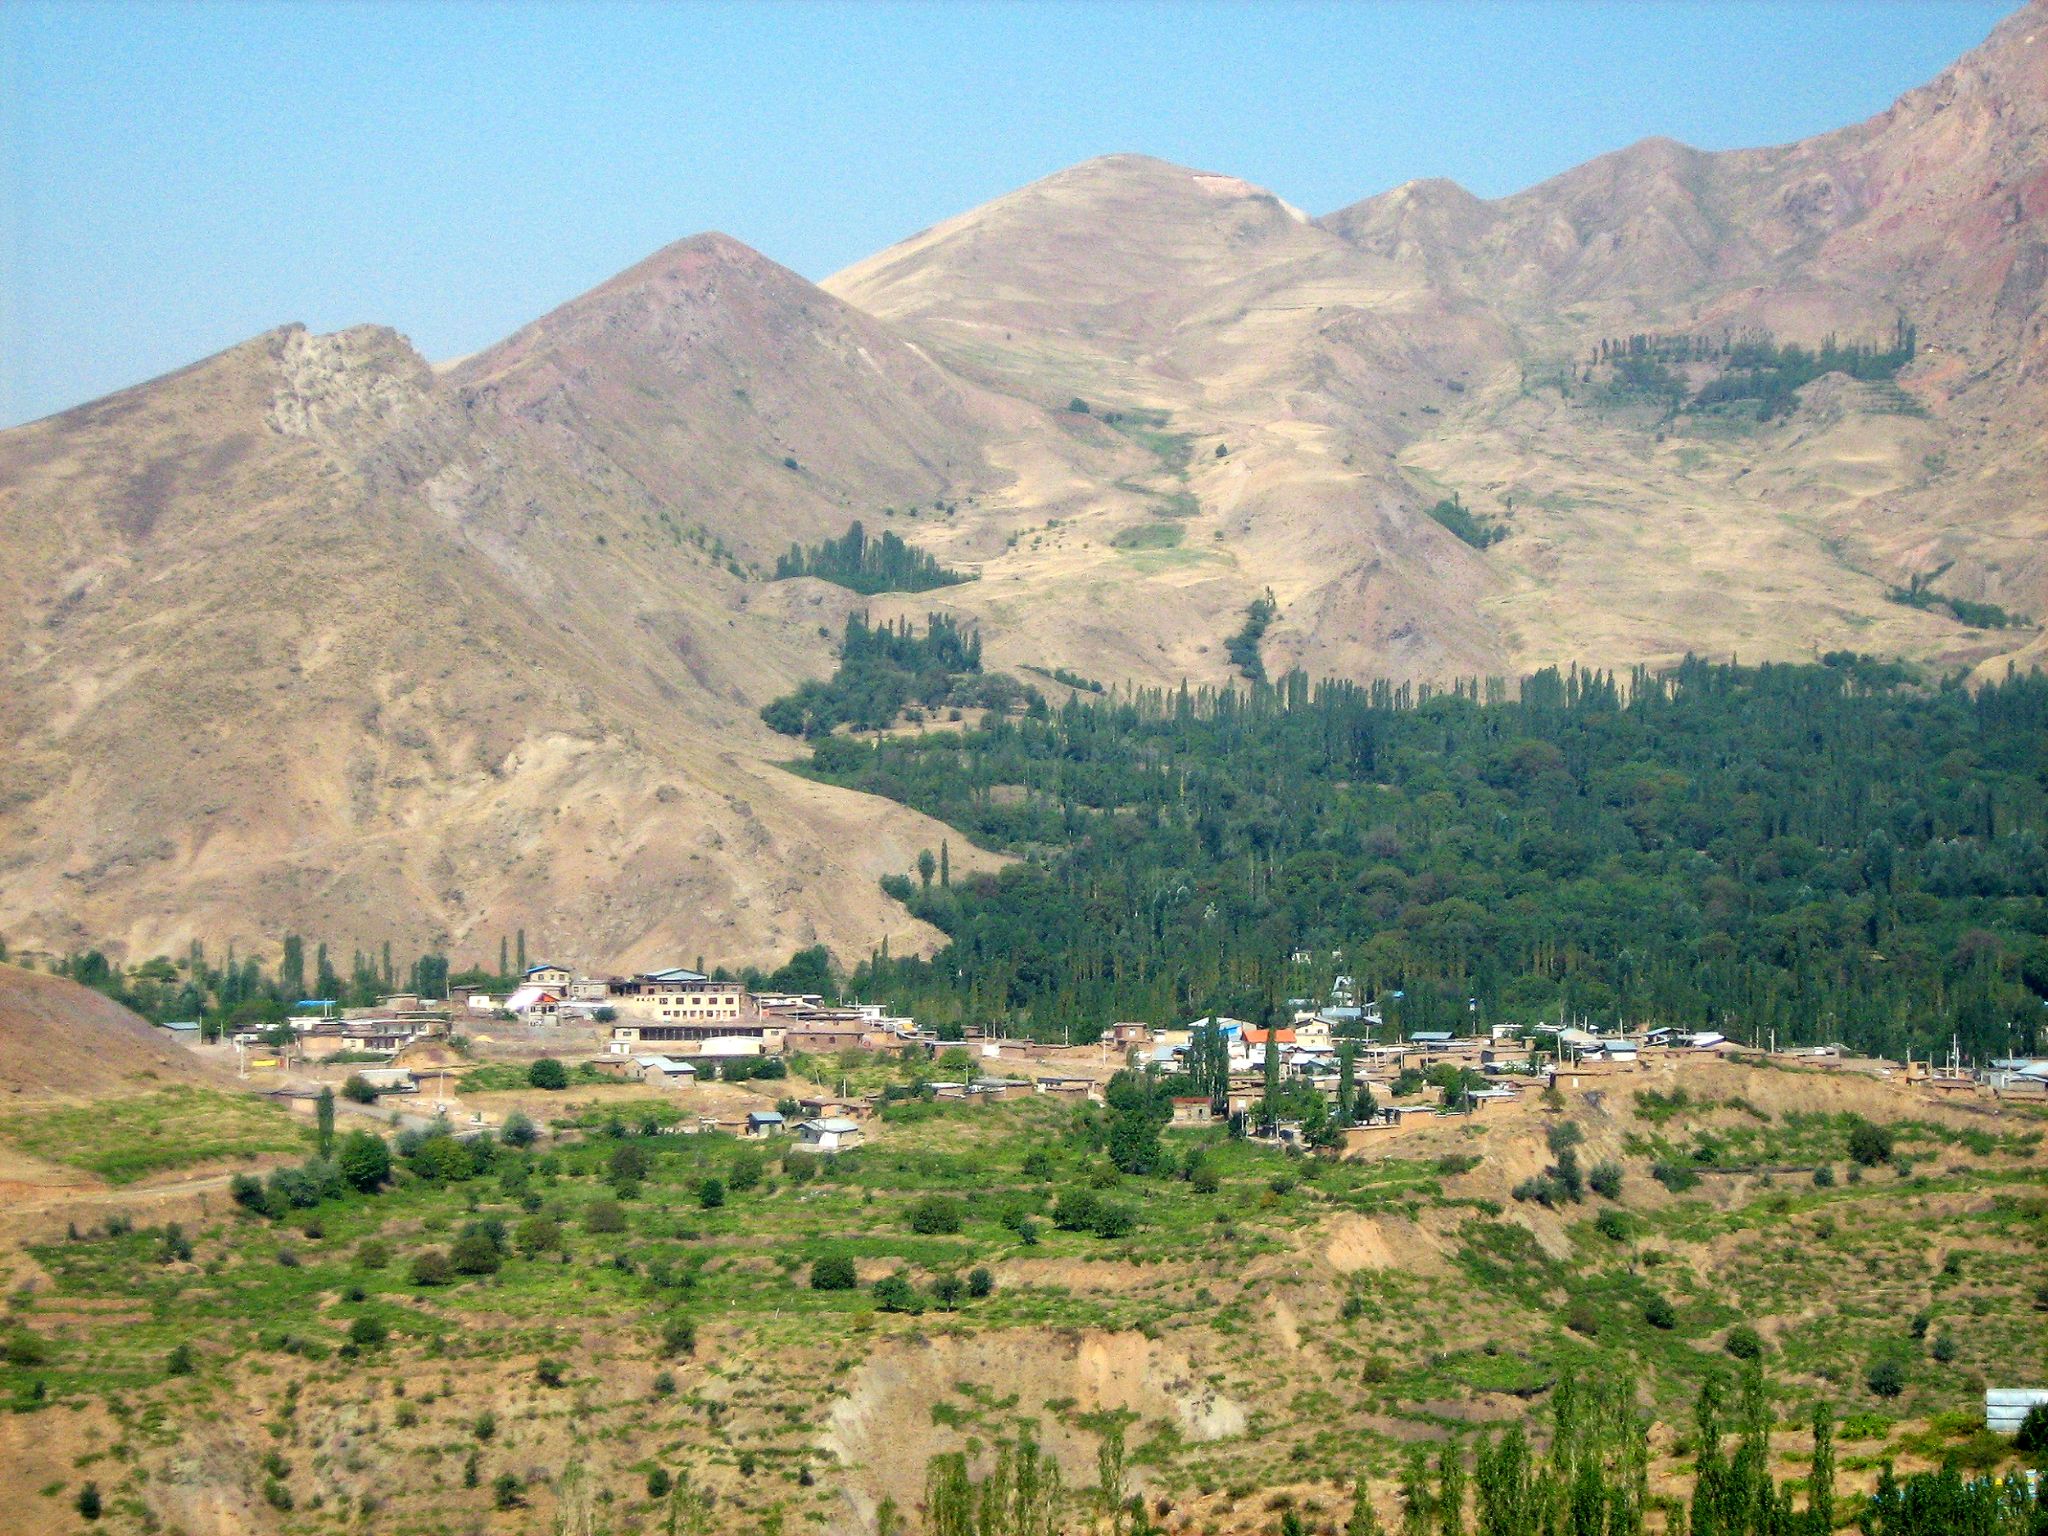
(759, 1065)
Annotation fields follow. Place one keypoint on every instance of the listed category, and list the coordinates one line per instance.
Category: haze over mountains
(313, 635)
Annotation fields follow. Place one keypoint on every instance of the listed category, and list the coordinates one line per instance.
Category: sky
(177, 178)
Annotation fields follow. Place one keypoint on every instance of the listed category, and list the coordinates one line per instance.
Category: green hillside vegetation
(1479, 532)
(889, 670)
(1825, 851)
(868, 566)
(596, 1283)
(1919, 593)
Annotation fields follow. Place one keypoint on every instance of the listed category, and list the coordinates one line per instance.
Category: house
(1067, 1087)
(708, 1036)
(835, 1109)
(998, 1089)
(664, 1071)
(1703, 1040)
(765, 1122)
(680, 996)
(1130, 1034)
(553, 977)
(1194, 1109)
(833, 1134)
(534, 1004)
(186, 1032)
(389, 1079)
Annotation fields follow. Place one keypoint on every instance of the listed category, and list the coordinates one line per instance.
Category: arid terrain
(314, 635)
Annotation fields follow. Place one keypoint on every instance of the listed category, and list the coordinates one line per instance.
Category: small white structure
(830, 1135)
(665, 1071)
(2005, 1408)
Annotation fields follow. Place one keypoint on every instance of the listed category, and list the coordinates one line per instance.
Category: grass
(1204, 1275)
(123, 1140)
(1149, 536)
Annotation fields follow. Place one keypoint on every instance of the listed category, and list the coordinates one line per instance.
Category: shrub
(432, 1267)
(367, 1332)
(518, 1131)
(473, 1253)
(1824, 1177)
(373, 1253)
(505, 1491)
(180, 1361)
(549, 1074)
(1615, 1226)
(1944, 1349)
(1659, 1313)
(88, 1501)
(1204, 1180)
(604, 1216)
(1113, 1220)
(363, 1160)
(664, 1383)
(895, 1293)
(1606, 1179)
(1582, 1319)
(1744, 1342)
(935, 1215)
(486, 1426)
(679, 1336)
(357, 1089)
(1676, 1177)
(549, 1373)
(834, 1272)
(981, 1281)
(538, 1235)
(711, 1194)
(1869, 1145)
(2032, 1438)
(745, 1173)
(659, 1483)
(1886, 1377)
(628, 1164)
(1565, 1135)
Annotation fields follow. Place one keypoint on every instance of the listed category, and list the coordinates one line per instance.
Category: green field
(123, 1140)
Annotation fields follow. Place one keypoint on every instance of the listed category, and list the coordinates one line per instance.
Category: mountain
(316, 636)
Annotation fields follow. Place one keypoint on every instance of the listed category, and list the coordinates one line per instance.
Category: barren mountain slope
(1432, 347)
(306, 638)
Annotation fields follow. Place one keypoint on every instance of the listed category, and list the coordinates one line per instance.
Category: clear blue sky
(176, 178)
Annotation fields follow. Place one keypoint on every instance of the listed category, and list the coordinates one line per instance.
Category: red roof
(1259, 1036)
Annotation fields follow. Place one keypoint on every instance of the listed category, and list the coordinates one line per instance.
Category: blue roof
(678, 974)
(766, 1115)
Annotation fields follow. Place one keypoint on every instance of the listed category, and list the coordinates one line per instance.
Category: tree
(981, 1281)
(935, 1215)
(518, 1131)
(549, 1074)
(357, 1089)
(947, 1291)
(1869, 1145)
(88, 1501)
(1886, 1377)
(473, 1253)
(834, 1272)
(1416, 1502)
(711, 1194)
(945, 866)
(1365, 1520)
(432, 1267)
(927, 866)
(323, 1121)
(363, 1160)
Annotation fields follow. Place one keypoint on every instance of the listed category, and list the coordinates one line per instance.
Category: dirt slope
(61, 1040)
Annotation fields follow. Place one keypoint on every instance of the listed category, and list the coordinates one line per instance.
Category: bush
(659, 1483)
(2032, 1439)
(1203, 1179)
(363, 1160)
(745, 1173)
(505, 1491)
(604, 1216)
(373, 1253)
(367, 1332)
(486, 1426)
(549, 1373)
(679, 1336)
(1869, 1145)
(895, 1293)
(432, 1268)
(1615, 1226)
(1886, 1377)
(473, 1253)
(1582, 1319)
(180, 1361)
(518, 1131)
(538, 1235)
(981, 1281)
(1606, 1179)
(357, 1089)
(88, 1501)
(936, 1215)
(834, 1272)
(1824, 1177)
(1659, 1313)
(1744, 1342)
(1565, 1135)
(1944, 1349)
(947, 1291)
(711, 1194)
(1676, 1177)
(549, 1074)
